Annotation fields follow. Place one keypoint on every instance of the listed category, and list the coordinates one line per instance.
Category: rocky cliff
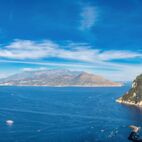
(134, 95)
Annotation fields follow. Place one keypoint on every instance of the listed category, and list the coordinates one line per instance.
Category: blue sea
(68, 114)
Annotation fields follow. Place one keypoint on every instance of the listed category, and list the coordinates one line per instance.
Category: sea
(65, 114)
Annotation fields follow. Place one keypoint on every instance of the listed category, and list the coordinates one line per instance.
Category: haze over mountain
(57, 77)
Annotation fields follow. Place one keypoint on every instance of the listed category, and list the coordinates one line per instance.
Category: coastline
(119, 100)
(65, 85)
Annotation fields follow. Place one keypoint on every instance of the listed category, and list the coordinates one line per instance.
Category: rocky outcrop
(57, 78)
(134, 95)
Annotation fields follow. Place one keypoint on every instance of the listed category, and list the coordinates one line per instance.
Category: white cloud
(90, 59)
(112, 71)
(34, 69)
(88, 17)
(118, 54)
(27, 49)
(3, 75)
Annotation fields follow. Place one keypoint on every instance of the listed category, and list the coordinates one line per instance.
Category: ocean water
(46, 114)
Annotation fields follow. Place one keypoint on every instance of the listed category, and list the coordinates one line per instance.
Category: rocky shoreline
(134, 95)
(128, 102)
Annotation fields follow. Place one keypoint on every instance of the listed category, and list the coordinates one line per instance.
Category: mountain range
(57, 77)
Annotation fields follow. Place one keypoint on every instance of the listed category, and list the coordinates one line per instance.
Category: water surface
(46, 114)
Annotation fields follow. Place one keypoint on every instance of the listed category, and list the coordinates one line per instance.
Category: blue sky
(98, 36)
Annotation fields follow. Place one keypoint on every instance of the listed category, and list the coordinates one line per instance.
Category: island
(57, 78)
(134, 95)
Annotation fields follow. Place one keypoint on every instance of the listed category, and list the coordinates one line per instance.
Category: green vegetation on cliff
(134, 95)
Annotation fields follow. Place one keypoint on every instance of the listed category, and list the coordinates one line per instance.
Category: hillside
(134, 95)
(56, 78)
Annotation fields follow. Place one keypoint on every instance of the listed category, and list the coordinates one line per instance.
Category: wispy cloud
(3, 75)
(27, 49)
(113, 71)
(88, 16)
(89, 58)
(34, 69)
(118, 54)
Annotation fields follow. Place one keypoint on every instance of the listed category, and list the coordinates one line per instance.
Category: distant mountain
(56, 78)
(134, 95)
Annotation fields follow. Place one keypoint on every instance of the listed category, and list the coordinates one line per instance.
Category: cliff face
(134, 95)
(57, 78)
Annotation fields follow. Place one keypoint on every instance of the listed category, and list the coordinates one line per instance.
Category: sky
(103, 37)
